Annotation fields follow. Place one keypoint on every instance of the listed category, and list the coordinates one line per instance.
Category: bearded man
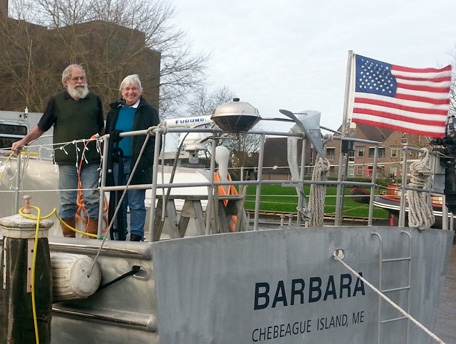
(76, 114)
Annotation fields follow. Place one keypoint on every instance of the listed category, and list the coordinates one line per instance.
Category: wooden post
(17, 320)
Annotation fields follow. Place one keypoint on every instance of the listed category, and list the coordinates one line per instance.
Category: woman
(130, 113)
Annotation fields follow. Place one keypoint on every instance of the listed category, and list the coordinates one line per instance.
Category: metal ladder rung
(395, 289)
(407, 289)
(396, 259)
(392, 319)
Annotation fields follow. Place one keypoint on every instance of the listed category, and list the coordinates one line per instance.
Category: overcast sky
(292, 54)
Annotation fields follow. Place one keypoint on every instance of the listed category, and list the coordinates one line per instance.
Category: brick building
(32, 58)
(360, 158)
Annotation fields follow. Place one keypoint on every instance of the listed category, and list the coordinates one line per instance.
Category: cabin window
(11, 133)
(351, 156)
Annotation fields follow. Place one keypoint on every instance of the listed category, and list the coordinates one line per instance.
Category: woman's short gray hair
(66, 75)
(131, 79)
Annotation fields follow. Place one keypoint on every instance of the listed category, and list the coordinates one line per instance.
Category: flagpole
(348, 89)
(345, 127)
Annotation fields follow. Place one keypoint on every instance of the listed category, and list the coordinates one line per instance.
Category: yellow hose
(35, 322)
(57, 215)
(38, 218)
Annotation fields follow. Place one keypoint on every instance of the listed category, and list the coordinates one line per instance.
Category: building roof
(374, 133)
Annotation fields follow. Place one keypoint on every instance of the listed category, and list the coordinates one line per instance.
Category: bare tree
(110, 38)
(452, 110)
(244, 150)
(204, 103)
(22, 82)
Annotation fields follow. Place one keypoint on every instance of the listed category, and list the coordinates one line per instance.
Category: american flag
(411, 100)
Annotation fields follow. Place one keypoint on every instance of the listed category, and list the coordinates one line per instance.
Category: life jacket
(231, 191)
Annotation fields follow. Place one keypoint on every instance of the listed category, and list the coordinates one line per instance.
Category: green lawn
(278, 198)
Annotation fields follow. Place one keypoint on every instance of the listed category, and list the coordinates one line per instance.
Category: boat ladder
(384, 264)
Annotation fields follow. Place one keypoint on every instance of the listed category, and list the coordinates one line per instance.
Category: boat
(289, 284)
(391, 202)
(359, 195)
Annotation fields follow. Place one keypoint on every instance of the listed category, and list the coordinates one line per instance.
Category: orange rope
(80, 198)
(231, 191)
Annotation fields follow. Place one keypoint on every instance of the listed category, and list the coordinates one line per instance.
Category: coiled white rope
(318, 193)
(387, 299)
(421, 215)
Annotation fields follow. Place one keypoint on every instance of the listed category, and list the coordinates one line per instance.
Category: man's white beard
(78, 92)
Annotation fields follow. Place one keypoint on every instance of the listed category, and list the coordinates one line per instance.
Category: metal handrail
(160, 131)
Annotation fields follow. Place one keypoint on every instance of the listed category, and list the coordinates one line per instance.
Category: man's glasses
(76, 78)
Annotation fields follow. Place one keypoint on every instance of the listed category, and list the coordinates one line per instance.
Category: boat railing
(340, 187)
(340, 183)
(216, 135)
